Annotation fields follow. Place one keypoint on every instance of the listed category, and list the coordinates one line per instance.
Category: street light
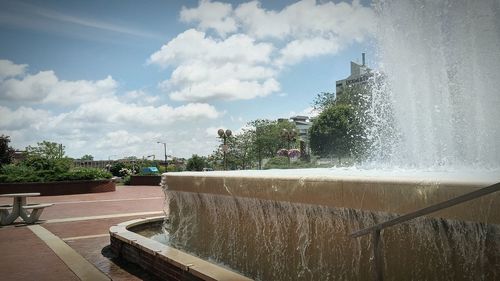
(224, 135)
(164, 152)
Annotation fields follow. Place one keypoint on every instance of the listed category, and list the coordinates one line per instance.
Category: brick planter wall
(151, 263)
(60, 187)
(145, 180)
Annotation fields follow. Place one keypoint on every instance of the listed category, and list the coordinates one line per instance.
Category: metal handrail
(375, 230)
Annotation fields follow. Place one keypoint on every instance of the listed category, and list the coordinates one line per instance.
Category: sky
(113, 78)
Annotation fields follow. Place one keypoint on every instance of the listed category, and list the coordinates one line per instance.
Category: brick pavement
(24, 256)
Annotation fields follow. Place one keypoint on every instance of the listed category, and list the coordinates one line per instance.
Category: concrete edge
(179, 259)
(82, 268)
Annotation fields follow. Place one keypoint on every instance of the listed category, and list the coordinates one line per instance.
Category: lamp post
(224, 135)
(289, 136)
(165, 153)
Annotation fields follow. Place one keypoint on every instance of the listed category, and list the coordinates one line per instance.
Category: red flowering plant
(283, 152)
(294, 153)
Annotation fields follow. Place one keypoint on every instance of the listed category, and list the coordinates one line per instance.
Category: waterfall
(272, 240)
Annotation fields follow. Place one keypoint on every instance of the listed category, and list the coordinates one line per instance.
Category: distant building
(303, 124)
(18, 156)
(360, 74)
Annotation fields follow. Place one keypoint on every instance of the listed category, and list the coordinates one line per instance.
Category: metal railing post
(378, 257)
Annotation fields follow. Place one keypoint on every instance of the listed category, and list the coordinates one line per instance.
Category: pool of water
(158, 232)
(154, 231)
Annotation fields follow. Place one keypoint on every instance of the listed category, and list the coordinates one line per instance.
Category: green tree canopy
(268, 140)
(87, 157)
(47, 156)
(6, 151)
(46, 150)
(336, 132)
(323, 100)
(260, 139)
(196, 163)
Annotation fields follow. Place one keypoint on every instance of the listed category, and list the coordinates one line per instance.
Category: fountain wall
(273, 226)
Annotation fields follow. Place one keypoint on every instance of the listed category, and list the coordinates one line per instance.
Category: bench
(37, 210)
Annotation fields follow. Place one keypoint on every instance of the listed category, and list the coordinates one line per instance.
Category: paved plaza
(70, 242)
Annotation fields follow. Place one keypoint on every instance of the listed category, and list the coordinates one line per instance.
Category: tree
(336, 132)
(260, 139)
(267, 138)
(87, 157)
(116, 169)
(6, 151)
(323, 100)
(196, 163)
(47, 156)
(239, 154)
(46, 150)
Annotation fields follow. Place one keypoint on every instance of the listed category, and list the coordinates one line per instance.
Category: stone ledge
(163, 261)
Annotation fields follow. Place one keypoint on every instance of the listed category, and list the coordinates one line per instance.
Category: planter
(59, 187)
(145, 180)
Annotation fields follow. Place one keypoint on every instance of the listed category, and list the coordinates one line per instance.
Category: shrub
(18, 173)
(196, 163)
(84, 174)
(38, 163)
(277, 162)
(281, 162)
(115, 168)
(172, 168)
(23, 173)
(126, 180)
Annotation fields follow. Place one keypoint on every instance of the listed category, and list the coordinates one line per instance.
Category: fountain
(435, 136)
(440, 60)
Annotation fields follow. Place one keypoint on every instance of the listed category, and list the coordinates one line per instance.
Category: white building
(360, 74)
(303, 124)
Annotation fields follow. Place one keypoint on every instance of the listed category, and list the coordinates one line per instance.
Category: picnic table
(19, 208)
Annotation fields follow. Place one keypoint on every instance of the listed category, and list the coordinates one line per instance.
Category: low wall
(145, 180)
(162, 261)
(296, 225)
(59, 187)
(396, 195)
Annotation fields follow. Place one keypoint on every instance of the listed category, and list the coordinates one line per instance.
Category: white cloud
(10, 69)
(253, 46)
(140, 97)
(113, 112)
(23, 117)
(261, 23)
(118, 139)
(206, 68)
(77, 92)
(307, 19)
(32, 88)
(193, 45)
(45, 87)
(211, 15)
(297, 50)
(302, 19)
(307, 28)
(111, 127)
(99, 121)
